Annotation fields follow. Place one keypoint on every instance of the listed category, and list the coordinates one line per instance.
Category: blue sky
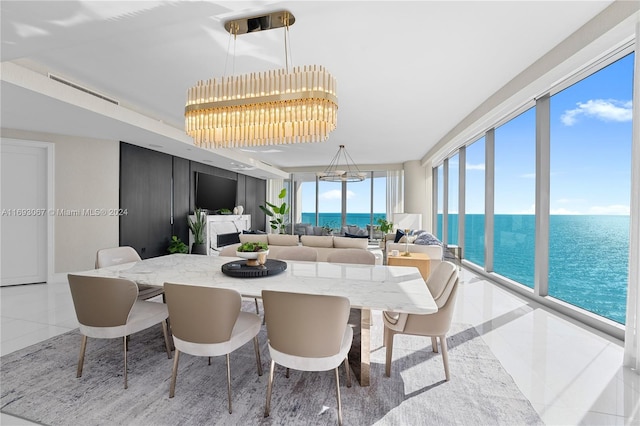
(590, 151)
(590, 157)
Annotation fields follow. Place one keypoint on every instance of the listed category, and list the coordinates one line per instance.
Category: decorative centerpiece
(254, 253)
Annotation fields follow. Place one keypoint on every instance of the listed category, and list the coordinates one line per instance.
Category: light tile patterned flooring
(570, 373)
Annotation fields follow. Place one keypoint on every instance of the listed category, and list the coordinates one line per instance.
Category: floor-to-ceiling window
(440, 201)
(583, 152)
(474, 203)
(321, 203)
(452, 201)
(514, 207)
(590, 151)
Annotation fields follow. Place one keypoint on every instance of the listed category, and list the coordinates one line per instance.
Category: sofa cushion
(283, 240)
(317, 241)
(346, 242)
(254, 238)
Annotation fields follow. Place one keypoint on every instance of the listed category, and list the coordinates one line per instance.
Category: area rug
(39, 383)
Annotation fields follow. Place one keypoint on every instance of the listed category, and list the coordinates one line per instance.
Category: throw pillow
(399, 234)
(427, 239)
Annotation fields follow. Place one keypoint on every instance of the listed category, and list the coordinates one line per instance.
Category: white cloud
(475, 166)
(335, 194)
(605, 110)
(569, 200)
(528, 176)
(614, 209)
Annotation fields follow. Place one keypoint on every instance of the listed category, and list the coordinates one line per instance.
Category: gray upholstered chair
(443, 285)
(349, 255)
(309, 254)
(208, 322)
(309, 333)
(125, 254)
(108, 308)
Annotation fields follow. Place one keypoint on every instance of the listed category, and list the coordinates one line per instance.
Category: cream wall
(86, 177)
(418, 191)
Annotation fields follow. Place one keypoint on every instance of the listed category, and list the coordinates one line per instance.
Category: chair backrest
(442, 282)
(202, 314)
(116, 256)
(102, 301)
(363, 257)
(297, 253)
(306, 325)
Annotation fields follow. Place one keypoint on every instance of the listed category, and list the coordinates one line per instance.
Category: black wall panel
(158, 191)
(145, 192)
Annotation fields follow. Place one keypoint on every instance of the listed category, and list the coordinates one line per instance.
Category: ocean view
(588, 254)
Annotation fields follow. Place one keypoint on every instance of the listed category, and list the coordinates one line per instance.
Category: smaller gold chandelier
(345, 172)
(268, 108)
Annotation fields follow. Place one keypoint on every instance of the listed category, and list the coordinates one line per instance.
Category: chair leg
(434, 344)
(346, 367)
(267, 406)
(338, 397)
(229, 383)
(257, 309)
(387, 365)
(83, 348)
(287, 374)
(165, 331)
(126, 384)
(258, 360)
(445, 357)
(174, 374)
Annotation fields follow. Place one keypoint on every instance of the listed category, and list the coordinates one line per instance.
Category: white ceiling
(407, 72)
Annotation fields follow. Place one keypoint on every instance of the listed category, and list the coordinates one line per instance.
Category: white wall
(417, 191)
(87, 177)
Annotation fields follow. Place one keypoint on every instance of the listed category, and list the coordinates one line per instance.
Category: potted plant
(278, 213)
(254, 252)
(197, 228)
(385, 226)
(177, 246)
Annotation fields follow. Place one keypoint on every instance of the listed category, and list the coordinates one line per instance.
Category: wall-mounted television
(215, 192)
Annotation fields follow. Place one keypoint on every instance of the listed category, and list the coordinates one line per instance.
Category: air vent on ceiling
(83, 89)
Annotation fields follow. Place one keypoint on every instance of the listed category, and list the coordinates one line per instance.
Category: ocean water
(588, 256)
(333, 220)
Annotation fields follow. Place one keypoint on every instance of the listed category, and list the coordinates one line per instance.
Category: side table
(419, 260)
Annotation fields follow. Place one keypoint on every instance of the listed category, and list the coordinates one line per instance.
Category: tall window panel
(359, 203)
(452, 212)
(379, 196)
(330, 205)
(474, 203)
(440, 205)
(514, 220)
(591, 136)
(306, 196)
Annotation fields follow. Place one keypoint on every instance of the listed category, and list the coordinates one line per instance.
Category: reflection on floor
(570, 373)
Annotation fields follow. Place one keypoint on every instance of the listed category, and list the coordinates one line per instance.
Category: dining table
(368, 287)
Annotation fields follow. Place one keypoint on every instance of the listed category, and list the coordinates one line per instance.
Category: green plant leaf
(266, 211)
(283, 193)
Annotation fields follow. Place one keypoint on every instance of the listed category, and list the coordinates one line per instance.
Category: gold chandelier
(267, 108)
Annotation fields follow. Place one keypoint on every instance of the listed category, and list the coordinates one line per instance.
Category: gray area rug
(38, 383)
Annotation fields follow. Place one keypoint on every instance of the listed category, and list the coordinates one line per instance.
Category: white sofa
(323, 244)
(435, 252)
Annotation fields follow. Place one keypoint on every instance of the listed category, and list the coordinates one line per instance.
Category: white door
(23, 219)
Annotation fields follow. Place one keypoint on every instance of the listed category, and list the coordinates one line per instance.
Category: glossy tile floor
(570, 373)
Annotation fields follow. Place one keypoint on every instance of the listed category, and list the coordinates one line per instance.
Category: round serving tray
(240, 269)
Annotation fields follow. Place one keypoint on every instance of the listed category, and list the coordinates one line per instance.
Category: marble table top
(389, 288)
